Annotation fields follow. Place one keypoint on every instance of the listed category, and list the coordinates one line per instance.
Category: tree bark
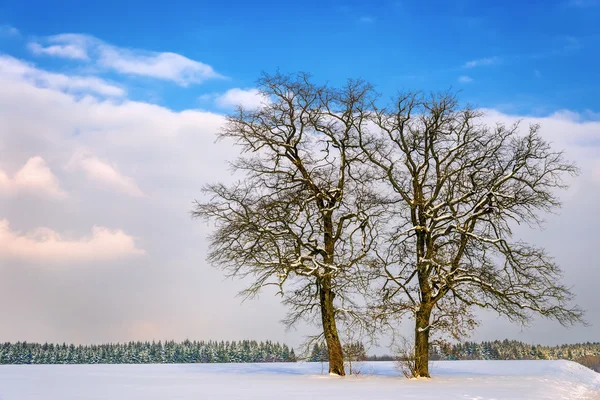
(423, 316)
(334, 346)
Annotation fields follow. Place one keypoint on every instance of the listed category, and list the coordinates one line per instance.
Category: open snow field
(465, 380)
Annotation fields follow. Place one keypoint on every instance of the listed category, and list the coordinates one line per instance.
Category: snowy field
(465, 380)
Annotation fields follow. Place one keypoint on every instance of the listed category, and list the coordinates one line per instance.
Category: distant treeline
(167, 352)
(514, 350)
(249, 351)
(587, 354)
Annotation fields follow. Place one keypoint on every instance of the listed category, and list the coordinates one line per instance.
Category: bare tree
(457, 187)
(300, 219)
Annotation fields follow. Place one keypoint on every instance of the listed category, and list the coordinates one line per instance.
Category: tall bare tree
(300, 219)
(458, 188)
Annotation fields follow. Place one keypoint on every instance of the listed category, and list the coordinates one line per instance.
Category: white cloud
(247, 98)
(11, 68)
(103, 173)
(481, 62)
(48, 246)
(35, 177)
(465, 79)
(168, 66)
(567, 115)
(596, 172)
(160, 65)
(366, 19)
(72, 51)
(171, 155)
(566, 130)
(7, 30)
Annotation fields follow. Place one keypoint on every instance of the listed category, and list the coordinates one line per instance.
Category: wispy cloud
(366, 19)
(247, 98)
(168, 66)
(160, 65)
(35, 177)
(72, 51)
(465, 79)
(7, 30)
(47, 245)
(102, 172)
(16, 69)
(480, 62)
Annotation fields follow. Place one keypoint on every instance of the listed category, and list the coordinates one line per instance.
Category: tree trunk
(334, 347)
(422, 342)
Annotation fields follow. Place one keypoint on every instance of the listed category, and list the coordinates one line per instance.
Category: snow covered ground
(465, 380)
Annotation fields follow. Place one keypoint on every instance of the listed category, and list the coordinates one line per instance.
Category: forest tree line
(515, 350)
(251, 351)
(168, 352)
(587, 354)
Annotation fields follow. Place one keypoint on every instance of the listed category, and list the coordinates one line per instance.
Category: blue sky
(532, 57)
(108, 115)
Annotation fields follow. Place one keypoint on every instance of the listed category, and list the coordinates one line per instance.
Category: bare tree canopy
(415, 201)
(456, 187)
(300, 219)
